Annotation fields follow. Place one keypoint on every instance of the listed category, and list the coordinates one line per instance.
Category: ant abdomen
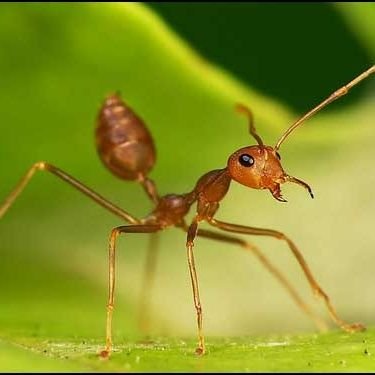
(123, 142)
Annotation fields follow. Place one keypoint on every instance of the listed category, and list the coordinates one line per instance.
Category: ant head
(259, 167)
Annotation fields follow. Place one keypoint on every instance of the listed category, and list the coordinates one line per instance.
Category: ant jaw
(301, 183)
(276, 193)
(280, 198)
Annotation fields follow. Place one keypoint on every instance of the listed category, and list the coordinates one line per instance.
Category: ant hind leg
(44, 166)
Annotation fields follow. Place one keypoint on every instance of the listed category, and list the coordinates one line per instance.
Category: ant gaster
(127, 149)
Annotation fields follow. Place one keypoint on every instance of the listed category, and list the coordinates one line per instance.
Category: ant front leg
(191, 234)
(320, 324)
(111, 276)
(313, 283)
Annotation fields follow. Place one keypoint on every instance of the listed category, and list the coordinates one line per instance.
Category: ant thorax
(170, 210)
(210, 189)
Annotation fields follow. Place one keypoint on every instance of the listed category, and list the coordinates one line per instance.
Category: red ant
(127, 149)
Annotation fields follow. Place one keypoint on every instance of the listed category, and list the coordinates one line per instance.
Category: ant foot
(104, 354)
(200, 351)
(355, 327)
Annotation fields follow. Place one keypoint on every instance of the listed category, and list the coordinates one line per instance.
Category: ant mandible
(127, 149)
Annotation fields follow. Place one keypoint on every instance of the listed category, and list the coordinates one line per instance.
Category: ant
(126, 147)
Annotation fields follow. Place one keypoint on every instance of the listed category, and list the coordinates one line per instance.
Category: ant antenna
(337, 94)
(246, 111)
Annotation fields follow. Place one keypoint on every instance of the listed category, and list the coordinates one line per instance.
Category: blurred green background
(182, 67)
(268, 46)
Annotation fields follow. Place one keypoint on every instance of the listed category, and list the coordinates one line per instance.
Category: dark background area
(271, 46)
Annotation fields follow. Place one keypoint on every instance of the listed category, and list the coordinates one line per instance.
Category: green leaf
(57, 63)
(333, 352)
(360, 19)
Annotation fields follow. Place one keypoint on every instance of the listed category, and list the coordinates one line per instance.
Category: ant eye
(246, 160)
(278, 155)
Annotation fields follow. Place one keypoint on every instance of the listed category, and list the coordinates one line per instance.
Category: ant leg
(111, 275)
(320, 324)
(191, 234)
(148, 281)
(43, 166)
(317, 290)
